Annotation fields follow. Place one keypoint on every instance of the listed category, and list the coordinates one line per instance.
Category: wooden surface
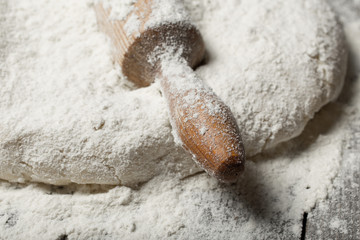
(212, 136)
(132, 51)
(338, 217)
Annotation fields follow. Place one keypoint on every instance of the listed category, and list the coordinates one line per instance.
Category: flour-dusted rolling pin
(157, 42)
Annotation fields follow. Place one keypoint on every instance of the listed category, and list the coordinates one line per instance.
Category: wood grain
(211, 136)
(132, 51)
(338, 217)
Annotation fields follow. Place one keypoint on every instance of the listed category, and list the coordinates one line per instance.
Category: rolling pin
(157, 42)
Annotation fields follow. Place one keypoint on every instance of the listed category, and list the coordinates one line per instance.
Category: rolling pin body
(167, 52)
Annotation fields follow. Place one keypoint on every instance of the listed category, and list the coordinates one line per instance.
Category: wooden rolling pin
(165, 47)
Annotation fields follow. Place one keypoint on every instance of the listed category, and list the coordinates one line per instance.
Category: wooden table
(338, 217)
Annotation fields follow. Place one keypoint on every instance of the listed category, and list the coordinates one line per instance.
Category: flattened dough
(67, 116)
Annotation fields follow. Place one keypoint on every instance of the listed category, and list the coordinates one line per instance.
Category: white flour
(119, 10)
(167, 11)
(67, 116)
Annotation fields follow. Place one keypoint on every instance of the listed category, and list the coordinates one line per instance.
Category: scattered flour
(119, 9)
(338, 224)
(167, 11)
(132, 26)
(67, 116)
(337, 216)
(193, 106)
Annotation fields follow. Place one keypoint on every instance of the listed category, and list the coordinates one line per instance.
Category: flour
(132, 26)
(162, 12)
(167, 11)
(68, 115)
(338, 224)
(194, 107)
(119, 10)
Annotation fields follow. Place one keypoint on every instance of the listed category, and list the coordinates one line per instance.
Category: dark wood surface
(338, 217)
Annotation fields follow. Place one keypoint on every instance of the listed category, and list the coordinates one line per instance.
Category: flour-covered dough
(67, 114)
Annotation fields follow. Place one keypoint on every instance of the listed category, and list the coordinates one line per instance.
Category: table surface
(343, 202)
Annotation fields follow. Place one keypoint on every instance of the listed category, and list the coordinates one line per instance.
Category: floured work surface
(338, 217)
(267, 202)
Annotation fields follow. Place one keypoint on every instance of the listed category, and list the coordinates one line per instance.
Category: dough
(67, 115)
